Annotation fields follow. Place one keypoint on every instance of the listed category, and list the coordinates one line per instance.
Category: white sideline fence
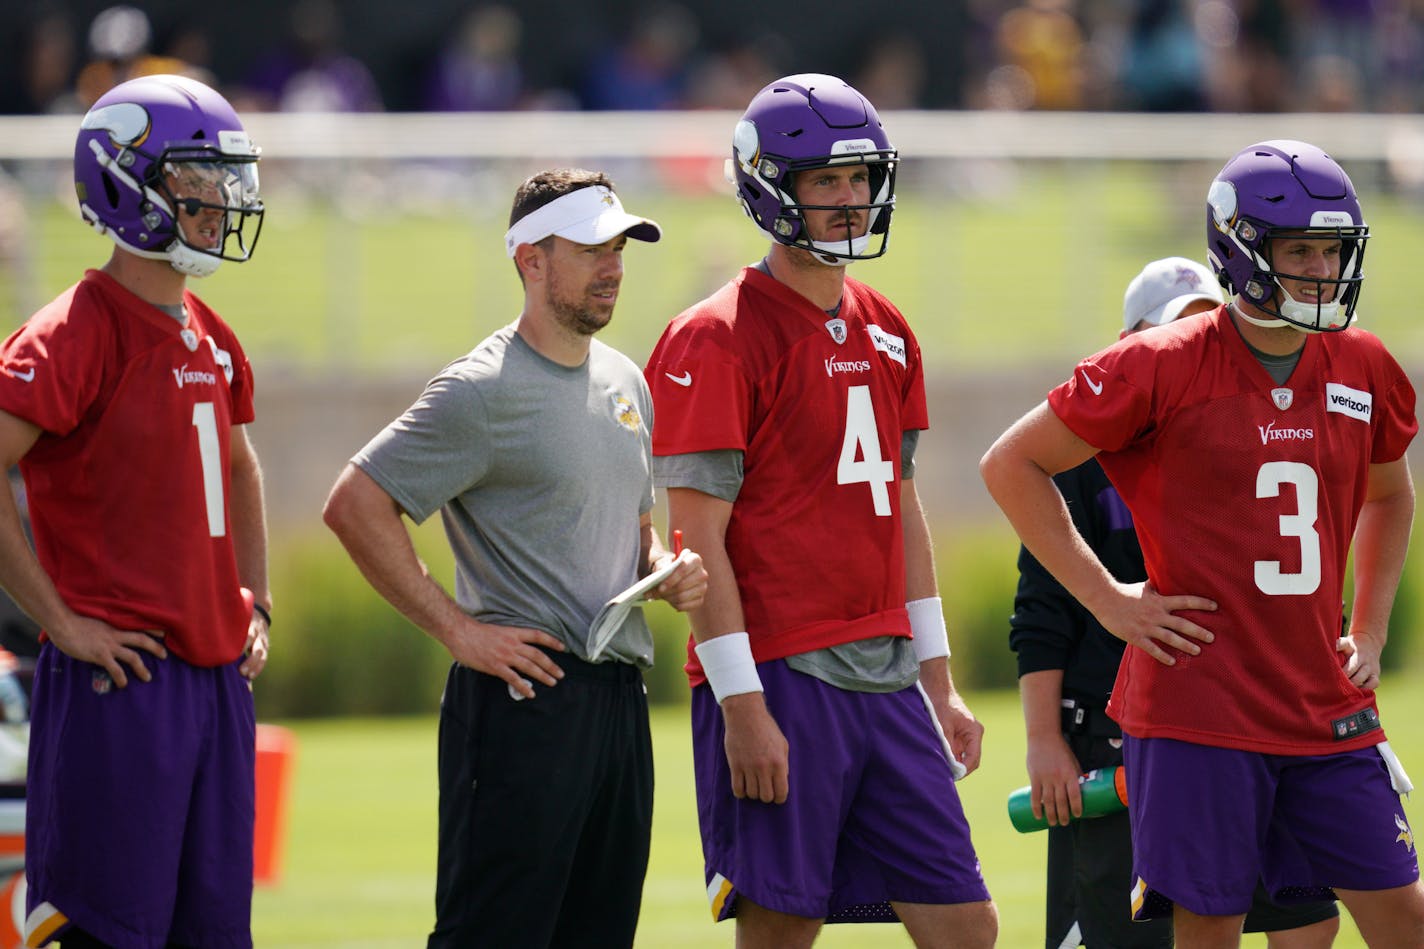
(1397, 139)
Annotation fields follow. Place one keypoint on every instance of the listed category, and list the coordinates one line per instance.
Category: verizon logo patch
(888, 343)
(1347, 401)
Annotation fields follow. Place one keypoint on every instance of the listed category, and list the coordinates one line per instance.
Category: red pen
(676, 543)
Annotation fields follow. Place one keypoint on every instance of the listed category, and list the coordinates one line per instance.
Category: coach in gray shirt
(535, 448)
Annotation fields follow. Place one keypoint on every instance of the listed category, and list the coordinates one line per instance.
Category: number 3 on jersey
(1270, 579)
(862, 438)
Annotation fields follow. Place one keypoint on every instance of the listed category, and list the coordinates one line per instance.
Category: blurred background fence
(1015, 235)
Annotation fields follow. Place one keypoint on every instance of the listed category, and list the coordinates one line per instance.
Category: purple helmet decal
(1280, 188)
(803, 122)
(163, 166)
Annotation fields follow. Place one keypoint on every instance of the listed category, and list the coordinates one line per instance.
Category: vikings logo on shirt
(626, 413)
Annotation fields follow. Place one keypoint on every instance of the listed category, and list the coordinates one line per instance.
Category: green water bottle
(1104, 792)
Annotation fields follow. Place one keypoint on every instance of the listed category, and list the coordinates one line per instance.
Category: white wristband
(728, 664)
(927, 626)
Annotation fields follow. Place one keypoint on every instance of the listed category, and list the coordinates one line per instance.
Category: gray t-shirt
(540, 473)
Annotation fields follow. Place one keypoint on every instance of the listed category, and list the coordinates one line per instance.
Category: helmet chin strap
(1254, 320)
(1311, 315)
(833, 254)
(1305, 317)
(190, 262)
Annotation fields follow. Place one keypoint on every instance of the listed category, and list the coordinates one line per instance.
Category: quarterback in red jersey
(124, 402)
(826, 725)
(1253, 445)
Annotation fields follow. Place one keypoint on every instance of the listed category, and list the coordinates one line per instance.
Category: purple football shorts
(872, 816)
(1207, 822)
(140, 805)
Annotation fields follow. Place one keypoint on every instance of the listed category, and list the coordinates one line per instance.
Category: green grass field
(360, 848)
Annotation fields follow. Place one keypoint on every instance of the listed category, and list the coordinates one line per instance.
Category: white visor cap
(1164, 288)
(589, 215)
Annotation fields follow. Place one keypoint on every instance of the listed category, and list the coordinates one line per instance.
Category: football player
(1067, 663)
(125, 402)
(1251, 444)
(826, 725)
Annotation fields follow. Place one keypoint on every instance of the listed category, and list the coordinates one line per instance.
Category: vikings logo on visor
(589, 215)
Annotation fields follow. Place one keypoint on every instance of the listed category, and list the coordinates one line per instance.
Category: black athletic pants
(546, 810)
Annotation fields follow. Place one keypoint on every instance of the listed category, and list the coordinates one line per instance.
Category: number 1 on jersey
(210, 453)
(862, 437)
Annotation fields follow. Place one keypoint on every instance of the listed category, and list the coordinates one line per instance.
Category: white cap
(1164, 287)
(589, 215)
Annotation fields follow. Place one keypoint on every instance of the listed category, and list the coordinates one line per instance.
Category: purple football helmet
(154, 148)
(811, 121)
(1276, 189)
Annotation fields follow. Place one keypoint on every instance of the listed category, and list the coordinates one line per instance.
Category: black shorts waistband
(610, 671)
(1084, 720)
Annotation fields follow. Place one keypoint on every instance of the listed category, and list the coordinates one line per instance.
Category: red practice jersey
(818, 406)
(127, 485)
(1245, 492)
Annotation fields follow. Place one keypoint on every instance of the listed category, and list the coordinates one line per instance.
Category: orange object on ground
(276, 757)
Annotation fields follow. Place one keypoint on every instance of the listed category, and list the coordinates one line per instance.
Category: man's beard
(577, 317)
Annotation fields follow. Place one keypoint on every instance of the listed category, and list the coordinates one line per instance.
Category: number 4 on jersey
(862, 438)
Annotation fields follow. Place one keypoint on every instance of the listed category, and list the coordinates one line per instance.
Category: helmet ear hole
(111, 190)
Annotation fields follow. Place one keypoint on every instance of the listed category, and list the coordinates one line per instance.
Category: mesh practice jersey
(128, 483)
(1248, 493)
(817, 405)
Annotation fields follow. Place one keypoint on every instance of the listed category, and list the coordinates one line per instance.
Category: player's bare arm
(88, 640)
(687, 586)
(757, 751)
(1052, 767)
(369, 524)
(1018, 470)
(247, 511)
(1380, 544)
(964, 732)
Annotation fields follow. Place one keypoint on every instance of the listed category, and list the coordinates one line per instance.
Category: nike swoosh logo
(1096, 387)
(25, 376)
(683, 380)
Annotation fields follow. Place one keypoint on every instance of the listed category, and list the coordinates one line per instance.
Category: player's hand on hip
(1053, 772)
(686, 588)
(255, 652)
(114, 650)
(758, 755)
(511, 653)
(964, 732)
(1362, 665)
(1144, 618)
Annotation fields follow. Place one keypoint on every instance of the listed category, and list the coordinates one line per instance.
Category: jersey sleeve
(702, 393)
(53, 367)
(915, 415)
(1107, 402)
(1398, 424)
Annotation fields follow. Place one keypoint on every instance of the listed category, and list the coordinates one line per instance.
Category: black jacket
(1049, 629)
